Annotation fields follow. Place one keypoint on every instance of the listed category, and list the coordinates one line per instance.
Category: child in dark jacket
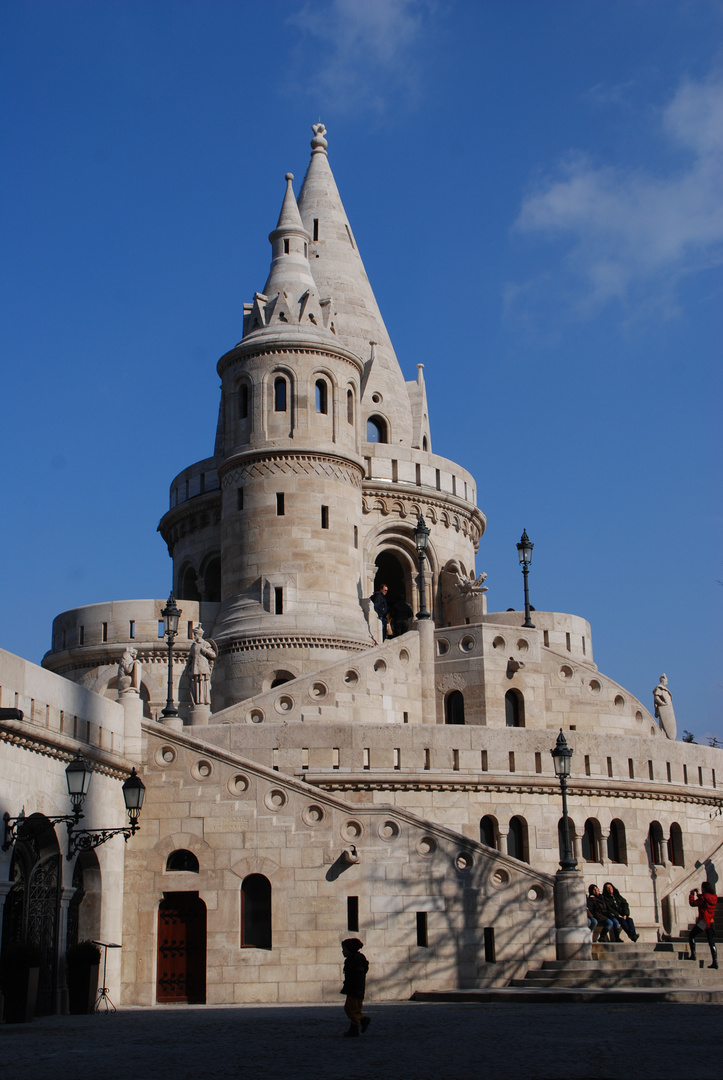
(356, 966)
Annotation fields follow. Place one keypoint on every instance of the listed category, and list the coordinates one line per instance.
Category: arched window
(376, 430)
(517, 839)
(243, 401)
(182, 860)
(561, 837)
(591, 841)
(514, 709)
(212, 580)
(454, 708)
(488, 833)
(349, 407)
(256, 912)
(424, 443)
(617, 845)
(675, 845)
(321, 396)
(280, 394)
(655, 844)
(188, 586)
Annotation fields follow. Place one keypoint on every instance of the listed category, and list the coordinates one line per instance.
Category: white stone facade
(401, 790)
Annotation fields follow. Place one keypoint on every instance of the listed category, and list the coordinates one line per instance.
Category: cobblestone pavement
(407, 1040)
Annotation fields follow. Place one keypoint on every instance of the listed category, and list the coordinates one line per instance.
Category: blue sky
(536, 188)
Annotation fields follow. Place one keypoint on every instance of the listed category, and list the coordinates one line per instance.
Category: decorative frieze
(322, 466)
(292, 641)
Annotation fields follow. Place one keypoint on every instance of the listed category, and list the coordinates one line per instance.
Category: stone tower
(322, 465)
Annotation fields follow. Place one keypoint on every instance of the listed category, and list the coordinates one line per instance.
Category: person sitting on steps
(619, 908)
(598, 912)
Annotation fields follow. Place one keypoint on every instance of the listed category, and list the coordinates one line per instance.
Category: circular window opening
(284, 703)
(535, 894)
(275, 799)
(256, 716)
(351, 678)
(464, 861)
(442, 646)
(380, 667)
(499, 643)
(403, 656)
(318, 691)
(388, 830)
(238, 784)
(351, 830)
(202, 770)
(427, 845)
(377, 398)
(313, 815)
(595, 686)
(467, 644)
(500, 877)
(639, 716)
(619, 701)
(522, 645)
(166, 755)
(565, 671)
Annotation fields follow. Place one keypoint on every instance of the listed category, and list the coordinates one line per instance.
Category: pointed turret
(338, 270)
(290, 271)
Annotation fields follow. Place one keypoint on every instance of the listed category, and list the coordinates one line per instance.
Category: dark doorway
(181, 949)
(390, 572)
(454, 708)
(256, 912)
(32, 906)
(212, 581)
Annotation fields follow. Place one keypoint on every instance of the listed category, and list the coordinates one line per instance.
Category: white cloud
(362, 53)
(630, 228)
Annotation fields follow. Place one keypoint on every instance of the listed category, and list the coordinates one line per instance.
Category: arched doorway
(32, 907)
(181, 965)
(84, 906)
(391, 572)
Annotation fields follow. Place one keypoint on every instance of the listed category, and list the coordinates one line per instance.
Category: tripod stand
(103, 998)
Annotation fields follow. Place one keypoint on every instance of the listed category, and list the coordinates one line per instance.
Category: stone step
(595, 980)
(557, 995)
(638, 963)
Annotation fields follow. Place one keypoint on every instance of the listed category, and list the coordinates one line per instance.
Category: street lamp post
(561, 756)
(77, 778)
(524, 551)
(170, 614)
(421, 539)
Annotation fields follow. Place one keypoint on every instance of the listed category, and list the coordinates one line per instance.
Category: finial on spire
(319, 143)
(289, 176)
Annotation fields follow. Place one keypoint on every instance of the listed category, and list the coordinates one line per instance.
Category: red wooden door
(181, 963)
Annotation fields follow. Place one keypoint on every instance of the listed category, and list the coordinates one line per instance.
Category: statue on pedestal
(129, 673)
(201, 657)
(663, 701)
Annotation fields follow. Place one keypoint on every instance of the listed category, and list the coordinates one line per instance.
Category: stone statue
(663, 700)
(201, 657)
(129, 673)
(471, 584)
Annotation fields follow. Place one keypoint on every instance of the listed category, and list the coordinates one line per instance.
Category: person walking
(705, 901)
(619, 908)
(356, 966)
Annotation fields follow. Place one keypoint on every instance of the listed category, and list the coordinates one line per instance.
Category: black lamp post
(77, 778)
(421, 539)
(524, 550)
(561, 756)
(170, 614)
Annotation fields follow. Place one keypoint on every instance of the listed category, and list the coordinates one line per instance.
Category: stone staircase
(618, 965)
(618, 972)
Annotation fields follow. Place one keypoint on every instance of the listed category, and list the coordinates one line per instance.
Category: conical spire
(338, 270)
(290, 271)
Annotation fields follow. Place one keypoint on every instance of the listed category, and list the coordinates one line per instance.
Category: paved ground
(409, 1041)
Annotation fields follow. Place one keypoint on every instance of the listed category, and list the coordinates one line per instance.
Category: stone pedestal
(133, 709)
(425, 628)
(199, 714)
(573, 940)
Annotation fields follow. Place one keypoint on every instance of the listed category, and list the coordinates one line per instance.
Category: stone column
(133, 708)
(425, 628)
(199, 714)
(573, 940)
(62, 1003)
